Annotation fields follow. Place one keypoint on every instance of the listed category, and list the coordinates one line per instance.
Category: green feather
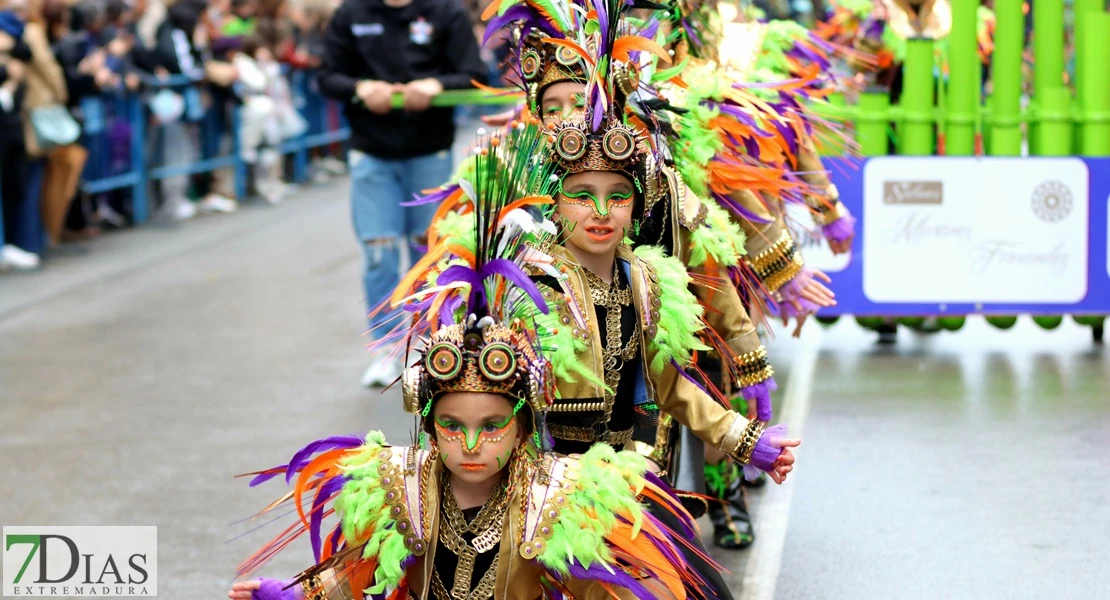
(607, 487)
(679, 313)
(718, 237)
(562, 348)
(362, 508)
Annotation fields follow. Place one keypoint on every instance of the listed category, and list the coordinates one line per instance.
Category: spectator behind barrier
(56, 160)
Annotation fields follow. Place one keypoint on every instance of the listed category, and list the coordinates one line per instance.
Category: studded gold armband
(748, 438)
(778, 264)
(753, 367)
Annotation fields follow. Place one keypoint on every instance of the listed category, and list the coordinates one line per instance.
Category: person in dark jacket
(373, 49)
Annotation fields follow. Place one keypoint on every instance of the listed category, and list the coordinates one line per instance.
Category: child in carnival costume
(555, 75)
(627, 322)
(480, 507)
(560, 64)
(743, 89)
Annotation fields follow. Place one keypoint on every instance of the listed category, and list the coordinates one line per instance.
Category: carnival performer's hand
(801, 320)
(843, 246)
(817, 293)
(7, 42)
(419, 94)
(784, 464)
(500, 119)
(376, 95)
(243, 590)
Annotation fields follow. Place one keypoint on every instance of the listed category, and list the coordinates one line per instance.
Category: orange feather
(632, 43)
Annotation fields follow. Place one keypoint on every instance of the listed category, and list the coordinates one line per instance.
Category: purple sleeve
(767, 449)
(277, 589)
(840, 229)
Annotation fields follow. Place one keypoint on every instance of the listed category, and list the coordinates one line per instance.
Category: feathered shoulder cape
(580, 520)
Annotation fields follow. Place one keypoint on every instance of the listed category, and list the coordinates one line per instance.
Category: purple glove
(283, 589)
(766, 451)
(792, 290)
(761, 394)
(840, 229)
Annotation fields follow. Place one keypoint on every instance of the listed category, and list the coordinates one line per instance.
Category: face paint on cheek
(503, 458)
(443, 457)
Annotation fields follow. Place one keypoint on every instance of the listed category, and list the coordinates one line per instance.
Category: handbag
(54, 126)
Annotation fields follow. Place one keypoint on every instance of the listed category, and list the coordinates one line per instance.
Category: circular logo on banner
(1051, 201)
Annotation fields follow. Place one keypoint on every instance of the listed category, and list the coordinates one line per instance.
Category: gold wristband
(748, 438)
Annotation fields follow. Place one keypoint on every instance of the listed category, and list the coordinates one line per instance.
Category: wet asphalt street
(137, 379)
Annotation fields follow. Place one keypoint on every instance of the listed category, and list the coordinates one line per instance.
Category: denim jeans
(378, 187)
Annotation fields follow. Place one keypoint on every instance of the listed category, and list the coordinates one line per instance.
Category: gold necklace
(487, 527)
(611, 297)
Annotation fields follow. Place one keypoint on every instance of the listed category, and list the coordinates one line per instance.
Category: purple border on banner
(847, 174)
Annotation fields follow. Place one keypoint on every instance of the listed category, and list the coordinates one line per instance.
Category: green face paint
(564, 113)
(504, 459)
(491, 432)
(588, 199)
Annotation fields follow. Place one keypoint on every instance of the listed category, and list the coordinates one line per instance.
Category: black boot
(732, 527)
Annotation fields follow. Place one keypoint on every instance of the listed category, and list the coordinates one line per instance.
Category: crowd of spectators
(60, 60)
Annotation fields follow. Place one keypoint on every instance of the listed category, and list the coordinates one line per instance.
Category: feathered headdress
(471, 294)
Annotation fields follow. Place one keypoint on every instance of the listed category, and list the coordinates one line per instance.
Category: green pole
(835, 102)
(1005, 122)
(1054, 122)
(1048, 76)
(1093, 84)
(1081, 10)
(964, 76)
(873, 122)
(915, 135)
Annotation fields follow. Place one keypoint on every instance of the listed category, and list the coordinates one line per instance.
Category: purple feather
(316, 517)
(302, 457)
(529, 18)
(619, 578)
(498, 266)
(435, 197)
(738, 209)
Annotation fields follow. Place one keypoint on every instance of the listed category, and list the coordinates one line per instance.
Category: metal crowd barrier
(116, 115)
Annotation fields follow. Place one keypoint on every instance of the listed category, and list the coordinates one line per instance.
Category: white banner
(974, 230)
(80, 561)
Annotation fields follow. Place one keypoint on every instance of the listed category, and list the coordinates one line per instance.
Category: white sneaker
(14, 257)
(382, 372)
(179, 209)
(216, 203)
(333, 165)
(273, 192)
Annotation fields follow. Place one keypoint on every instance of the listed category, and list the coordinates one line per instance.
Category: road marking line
(761, 573)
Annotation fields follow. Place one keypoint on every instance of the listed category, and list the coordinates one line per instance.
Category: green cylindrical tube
(1048, 73)
(873, 122)
(1054, 122)
(836, 102)
(1093, 84)
(964, 77)
(1083, 24)
(915, 132)
(1005, 121)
